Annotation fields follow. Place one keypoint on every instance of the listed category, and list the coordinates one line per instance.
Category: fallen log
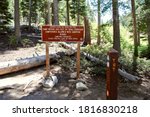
(34, 36)
(128, 76)
(22, 64)
(87, 55)
(122, 73)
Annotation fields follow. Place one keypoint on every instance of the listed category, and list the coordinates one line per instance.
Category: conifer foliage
(5, 16)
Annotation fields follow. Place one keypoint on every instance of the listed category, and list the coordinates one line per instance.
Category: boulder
(73, 75)
(81, 86)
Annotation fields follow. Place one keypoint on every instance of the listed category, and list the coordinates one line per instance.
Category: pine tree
(5, 16)
(77, 9)
(29, 10)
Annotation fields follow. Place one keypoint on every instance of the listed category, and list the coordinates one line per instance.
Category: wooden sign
(62, 33)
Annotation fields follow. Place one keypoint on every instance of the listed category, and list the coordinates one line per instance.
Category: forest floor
(27, 84)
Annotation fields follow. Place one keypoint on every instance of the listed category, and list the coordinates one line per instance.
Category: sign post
(47, 60)
(63, 34)
(78, 60)
(112, 75)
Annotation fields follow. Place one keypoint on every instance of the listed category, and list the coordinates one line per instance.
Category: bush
(12, 41)
(126, 61)
(98, 51)
(143, 66)
(106, 33)
(26, 42)
(144, 51)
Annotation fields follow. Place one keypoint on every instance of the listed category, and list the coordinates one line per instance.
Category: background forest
(121, 24)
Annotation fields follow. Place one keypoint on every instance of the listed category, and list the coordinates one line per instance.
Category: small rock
(81, 86)
(50, 82)
(72, 81)
(73, 75)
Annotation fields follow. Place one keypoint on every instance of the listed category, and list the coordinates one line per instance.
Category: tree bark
(48, 18)
(148, 29)
(134, 29)
(147, 3)
(55, 11)
(78, 14)
(116, 27)
(17, 20)
(135, 36)
(67, 12)
(30, 2)
(99, 23)
(138, 37)
(87, 39)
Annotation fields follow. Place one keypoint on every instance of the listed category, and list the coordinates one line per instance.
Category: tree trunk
(148, 29)
(67, 12)
(134, 29)
(135, 36)
(48, 19)
(87, 39)
(30, 2)
(52, 19)
(138, 37)
(55, 9)
(147, 3)
(78, 14)
(17, 20)
(99, 23)
(116, 27)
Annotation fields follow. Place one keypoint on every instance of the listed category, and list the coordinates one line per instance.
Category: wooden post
(47, 60)
(78, 60)
(112, 75)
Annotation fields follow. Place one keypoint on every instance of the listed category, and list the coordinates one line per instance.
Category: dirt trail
(27, 85)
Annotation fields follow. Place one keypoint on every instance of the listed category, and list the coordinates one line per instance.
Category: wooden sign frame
(65, 34)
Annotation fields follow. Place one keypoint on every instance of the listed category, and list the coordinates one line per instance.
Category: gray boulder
(81, 86)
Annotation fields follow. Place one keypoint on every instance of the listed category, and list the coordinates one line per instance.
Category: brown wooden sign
(62, 33)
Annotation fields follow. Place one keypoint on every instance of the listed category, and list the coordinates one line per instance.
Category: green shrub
(26, 42)
(106, 33)
(125, 60)
(12, 41)
(144, 51)
(97, 51)
(143, 66)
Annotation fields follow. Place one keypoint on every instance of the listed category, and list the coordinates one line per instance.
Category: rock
(50, 82)
(73, 75)
(81, 86)
(72, 81)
